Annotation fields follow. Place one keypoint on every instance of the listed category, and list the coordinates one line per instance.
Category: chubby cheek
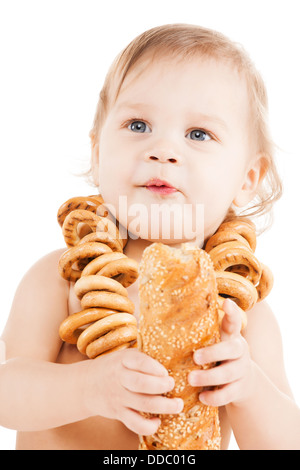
(112, 184)
(216, 190)
(113, 172)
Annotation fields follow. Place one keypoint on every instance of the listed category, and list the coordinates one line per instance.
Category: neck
(135, 247)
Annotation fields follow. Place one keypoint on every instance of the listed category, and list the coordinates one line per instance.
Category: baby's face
(177, 140)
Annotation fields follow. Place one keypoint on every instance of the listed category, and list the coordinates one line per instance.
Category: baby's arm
(269, 418)
(36, 393)
(251, 381)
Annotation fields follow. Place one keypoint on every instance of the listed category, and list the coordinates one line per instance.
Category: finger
(223, 351)
(155, 404)
(226, 373)
(139, 361)
(221, 396)
(232, 320)
(143, 383)
(137, 423)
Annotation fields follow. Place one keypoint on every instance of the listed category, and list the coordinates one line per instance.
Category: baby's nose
(163, 156)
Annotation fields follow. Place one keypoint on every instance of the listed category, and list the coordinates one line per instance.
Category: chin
(164, 235)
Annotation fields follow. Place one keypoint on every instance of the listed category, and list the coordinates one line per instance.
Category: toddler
(181, 121)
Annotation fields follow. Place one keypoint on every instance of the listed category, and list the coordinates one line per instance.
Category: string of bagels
(95, 262)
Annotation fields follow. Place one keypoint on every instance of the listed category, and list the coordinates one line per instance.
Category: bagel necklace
(94, 261)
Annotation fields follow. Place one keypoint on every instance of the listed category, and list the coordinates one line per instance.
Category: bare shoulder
(261, 315)
(264, 339)
(39, 305)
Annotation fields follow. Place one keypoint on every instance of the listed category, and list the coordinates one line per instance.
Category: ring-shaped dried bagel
(103, 237)
(95, 266)
(95, 282)
(102, 327)
(265, 283)
(130, 344)
(79, 253)
(113, 341)
(125, 270)
(224, 236)
(237, 287)
(239, 269)
(72, 327)
(83, 218)
(107, 300)
(244, 227)
(230, 254)
(89, 203)
(76, 219)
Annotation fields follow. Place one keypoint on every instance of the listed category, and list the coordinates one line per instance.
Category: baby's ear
(95, 163)
(254, 176)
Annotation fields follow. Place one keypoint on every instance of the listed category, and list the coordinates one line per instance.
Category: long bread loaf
(179, 314)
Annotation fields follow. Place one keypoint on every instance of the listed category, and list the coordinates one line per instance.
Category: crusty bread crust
(179, 314)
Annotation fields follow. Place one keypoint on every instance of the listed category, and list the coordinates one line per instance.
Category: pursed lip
(159, 186)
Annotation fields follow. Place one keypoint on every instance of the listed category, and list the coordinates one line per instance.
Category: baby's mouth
(161, 187)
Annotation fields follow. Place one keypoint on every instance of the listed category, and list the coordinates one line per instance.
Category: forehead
(199, 82)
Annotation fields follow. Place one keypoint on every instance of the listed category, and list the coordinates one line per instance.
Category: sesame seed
(169, 334)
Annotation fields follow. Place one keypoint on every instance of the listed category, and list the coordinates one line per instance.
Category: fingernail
(229, 302)
(179, 405)
(202, 399)
(157, 423)
(171, 383)
(197, 357)
(192, 379)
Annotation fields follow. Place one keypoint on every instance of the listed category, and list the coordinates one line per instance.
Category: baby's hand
(122, 384)
(232, 378)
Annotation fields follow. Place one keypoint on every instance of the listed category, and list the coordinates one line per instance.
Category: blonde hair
(186, 41)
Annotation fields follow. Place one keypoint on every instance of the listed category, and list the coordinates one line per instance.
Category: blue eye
(199, 135)
(138, 126)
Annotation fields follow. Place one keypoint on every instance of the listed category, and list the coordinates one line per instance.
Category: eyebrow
(207, 118)
(133, 106)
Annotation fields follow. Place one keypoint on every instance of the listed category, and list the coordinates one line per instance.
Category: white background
(54, 55)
